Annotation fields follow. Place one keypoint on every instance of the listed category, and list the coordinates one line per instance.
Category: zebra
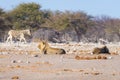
(18, 34)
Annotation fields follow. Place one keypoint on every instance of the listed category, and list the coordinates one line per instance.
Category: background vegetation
(67, 25)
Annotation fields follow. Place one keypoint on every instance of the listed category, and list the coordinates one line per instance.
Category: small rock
(110, 57)
(27, 62)
(93, 69)
(19, 61)
(34, 55)
(91, 53)
(13, 61)
(26, 53)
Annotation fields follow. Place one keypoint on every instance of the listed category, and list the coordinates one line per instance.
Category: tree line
(85, 27)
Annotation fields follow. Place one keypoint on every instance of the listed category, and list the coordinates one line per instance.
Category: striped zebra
(18, 34)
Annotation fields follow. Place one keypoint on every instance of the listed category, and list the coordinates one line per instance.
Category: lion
(46, 49)
(103, 50)
(91, 57)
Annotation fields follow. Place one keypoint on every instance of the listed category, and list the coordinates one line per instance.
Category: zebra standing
(18, 34)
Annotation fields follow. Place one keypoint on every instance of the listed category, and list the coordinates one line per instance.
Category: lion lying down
(102, 50)
(46, 49)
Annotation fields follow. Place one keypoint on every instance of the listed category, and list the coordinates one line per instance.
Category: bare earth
(25, 62)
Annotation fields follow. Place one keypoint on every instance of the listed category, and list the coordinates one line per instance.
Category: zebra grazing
(18, 34)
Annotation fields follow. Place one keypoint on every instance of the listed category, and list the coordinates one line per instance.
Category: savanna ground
(25, 62)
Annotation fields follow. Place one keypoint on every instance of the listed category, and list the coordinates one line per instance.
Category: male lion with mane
(103, 50)
(46, 49)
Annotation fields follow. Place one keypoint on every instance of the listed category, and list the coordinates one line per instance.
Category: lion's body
(46, 49)
(18, 34)
(51, 50)
(104, 49)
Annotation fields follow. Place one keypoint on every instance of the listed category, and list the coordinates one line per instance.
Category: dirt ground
(25, 62)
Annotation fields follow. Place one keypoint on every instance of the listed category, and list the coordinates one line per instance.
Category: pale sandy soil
(25, 62)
